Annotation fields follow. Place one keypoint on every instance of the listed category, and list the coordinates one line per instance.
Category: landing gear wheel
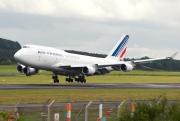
(55, 78)
(81, 79)
(28, 75)
(69, 80)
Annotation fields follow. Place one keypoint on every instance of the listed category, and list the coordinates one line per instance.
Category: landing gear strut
(55, 78)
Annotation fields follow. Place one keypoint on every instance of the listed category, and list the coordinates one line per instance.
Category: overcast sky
(94, 25)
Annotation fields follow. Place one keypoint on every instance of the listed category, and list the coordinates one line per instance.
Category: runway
(88, 86)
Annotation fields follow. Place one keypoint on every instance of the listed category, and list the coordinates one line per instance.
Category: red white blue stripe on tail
(119, 49)
(121, 46)
(123, 53)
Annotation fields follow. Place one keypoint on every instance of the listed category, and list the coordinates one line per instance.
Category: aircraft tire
(53, 77)
(79, 79)
(28, 75)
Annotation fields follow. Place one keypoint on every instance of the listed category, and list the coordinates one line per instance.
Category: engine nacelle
(20, 68)
(126, 67)
(88, 70)
(30, 71)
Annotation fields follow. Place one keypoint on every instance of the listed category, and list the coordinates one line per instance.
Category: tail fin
(119, 49)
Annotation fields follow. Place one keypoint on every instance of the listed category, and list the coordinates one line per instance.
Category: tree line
(8, 49)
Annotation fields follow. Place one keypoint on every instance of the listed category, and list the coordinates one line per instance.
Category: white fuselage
(31, 58)
(42, 57)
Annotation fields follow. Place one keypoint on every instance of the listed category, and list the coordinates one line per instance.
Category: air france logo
(58, 54)
(121, 46)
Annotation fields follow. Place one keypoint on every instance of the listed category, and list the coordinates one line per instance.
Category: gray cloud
(94, 26)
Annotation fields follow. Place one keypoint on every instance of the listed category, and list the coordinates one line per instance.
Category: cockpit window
(25, 46)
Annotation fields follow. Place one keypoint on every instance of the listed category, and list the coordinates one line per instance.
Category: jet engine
(126, 67)
(26, 70)
(30, 71)
(20, 68)
(88, 70)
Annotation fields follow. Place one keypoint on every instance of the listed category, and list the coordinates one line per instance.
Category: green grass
(46, 79)
(9, 75)
(77, 95)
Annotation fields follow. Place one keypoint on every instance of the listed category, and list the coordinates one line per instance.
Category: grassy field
(8, 75)
(79, 95)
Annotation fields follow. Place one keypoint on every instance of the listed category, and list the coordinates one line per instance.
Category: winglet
(173, 56)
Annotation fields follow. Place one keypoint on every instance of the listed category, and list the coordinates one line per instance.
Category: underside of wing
(83, 69)
(90, 69)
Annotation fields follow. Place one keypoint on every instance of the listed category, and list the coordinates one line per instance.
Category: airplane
(32, 58)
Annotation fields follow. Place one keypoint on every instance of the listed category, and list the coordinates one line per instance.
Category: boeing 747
(32, 58)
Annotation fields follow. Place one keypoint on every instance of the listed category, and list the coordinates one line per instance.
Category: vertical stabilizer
(119, 50)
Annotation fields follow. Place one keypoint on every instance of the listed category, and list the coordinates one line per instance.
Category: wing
(86, 69)
(155, 59)
(100, 68)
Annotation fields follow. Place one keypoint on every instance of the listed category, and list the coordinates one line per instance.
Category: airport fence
(56, 111)
(50, 110)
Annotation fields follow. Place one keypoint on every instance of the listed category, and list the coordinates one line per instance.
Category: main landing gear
(69, 79)
(55, 78)
(79, 79)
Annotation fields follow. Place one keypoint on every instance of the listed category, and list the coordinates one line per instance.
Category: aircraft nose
(18, 56)
(21, 56)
